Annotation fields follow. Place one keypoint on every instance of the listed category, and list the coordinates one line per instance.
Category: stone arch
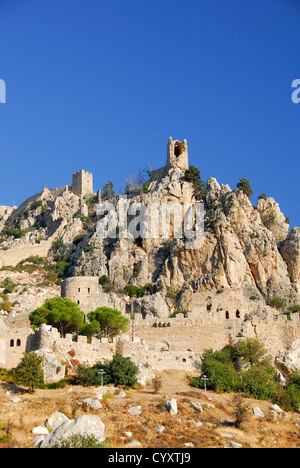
(18, 342)
(12, 343)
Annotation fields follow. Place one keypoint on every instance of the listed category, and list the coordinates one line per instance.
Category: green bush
(245, 186)
(8, 285)
(200, 188)
(278, 302)
(80, 441)
(245, 367)
(135, 291)
(259, 382)
(120, 371)
(222, 377)
(218, 367)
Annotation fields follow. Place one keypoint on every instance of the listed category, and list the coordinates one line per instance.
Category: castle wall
(14, 342)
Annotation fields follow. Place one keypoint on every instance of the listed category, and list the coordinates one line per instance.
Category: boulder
(53, 369)
(85, 425)
(134, 411)
(92, 403)
(55, 420)
(171, 405)
(258, 413)
(153, 306)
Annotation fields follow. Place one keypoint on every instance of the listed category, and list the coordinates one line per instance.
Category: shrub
(8, 285)
(245, 186)
(259, 382)
(258, 379)
(80, 441)
(105, 282)
(219, 369)
(278, 302)
(120, 371)
(194, 175)
(251, 352)
(135, 291)
(57, 245)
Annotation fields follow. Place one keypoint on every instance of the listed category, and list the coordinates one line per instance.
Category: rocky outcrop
(290, 251)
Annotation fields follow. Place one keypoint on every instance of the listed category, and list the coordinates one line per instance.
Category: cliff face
(244, 247)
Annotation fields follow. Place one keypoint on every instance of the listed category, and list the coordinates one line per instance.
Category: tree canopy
(105, 322)
(194, 175)
(29, 372)
(60, 312)
(245, 186)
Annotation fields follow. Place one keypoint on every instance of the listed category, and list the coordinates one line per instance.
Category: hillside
(243, 280)
(20, 413)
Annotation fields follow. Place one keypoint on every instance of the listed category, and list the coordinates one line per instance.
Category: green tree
(60, 312)
(111, 321)
(251, 352)
(194, 175)
(122, 371)
(29, 372)
(245, 186)
(108, 192)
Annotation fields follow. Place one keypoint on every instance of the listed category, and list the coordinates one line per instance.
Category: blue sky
(101, 85)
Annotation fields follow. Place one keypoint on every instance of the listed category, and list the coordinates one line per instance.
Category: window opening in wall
(78, 289)
(237, 314)
(18, 342)
(89, 290)
(177, 148)
(227, 315)
(12, 343)
(78, 302)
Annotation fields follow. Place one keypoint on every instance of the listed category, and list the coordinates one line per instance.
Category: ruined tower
(82, 183)
(177, 154)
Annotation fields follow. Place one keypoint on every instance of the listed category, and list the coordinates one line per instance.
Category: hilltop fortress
(195, 298)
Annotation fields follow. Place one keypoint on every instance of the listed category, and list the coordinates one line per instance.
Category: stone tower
(177, 154)
(82, 183)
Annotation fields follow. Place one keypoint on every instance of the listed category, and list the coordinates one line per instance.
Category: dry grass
(18, 419)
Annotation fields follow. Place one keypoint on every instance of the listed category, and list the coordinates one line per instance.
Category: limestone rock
(55, 420)
(134, 411)
(92, 403)
(40, 430)
(153, 305)
(258, 413)
(53, 369)
(273, 218)
(290, 251)
(289, 359)
(171, 406)
(85, 425)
